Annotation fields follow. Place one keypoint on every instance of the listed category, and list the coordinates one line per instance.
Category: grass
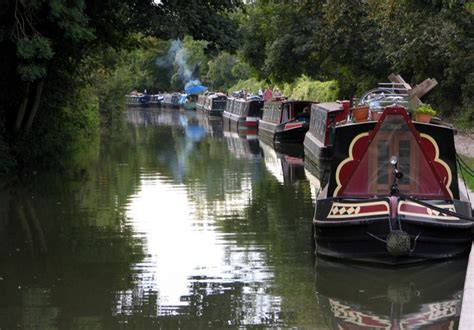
(469, 178)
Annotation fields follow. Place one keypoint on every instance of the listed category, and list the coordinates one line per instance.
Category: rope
(433, 207)
(463, 165)
(460, 162)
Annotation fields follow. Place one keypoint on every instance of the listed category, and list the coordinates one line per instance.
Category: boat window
(266, 112)
(286, 113)
(219, 104)
(374, 173)
(318, 122)
(255, 109)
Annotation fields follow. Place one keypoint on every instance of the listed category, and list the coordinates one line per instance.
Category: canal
(183, 223)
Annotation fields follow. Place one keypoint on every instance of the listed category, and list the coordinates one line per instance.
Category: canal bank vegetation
(57, 58)
(66, 67)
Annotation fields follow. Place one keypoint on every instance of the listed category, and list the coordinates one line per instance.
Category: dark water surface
(184, 223)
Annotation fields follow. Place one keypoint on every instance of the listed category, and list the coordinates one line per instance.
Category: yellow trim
(345, 161)
(438, 160)
(432, 216)
(355, 205)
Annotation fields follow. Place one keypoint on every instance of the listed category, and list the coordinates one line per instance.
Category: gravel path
(465, 143)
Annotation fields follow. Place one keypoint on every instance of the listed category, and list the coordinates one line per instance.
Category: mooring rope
(433, 207)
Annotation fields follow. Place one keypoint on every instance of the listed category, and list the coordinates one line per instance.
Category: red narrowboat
(393, 194)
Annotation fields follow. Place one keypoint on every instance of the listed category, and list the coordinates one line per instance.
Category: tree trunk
(21, 111)
(31, 117)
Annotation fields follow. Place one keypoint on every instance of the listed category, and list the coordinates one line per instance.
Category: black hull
(315, 149)
(364, 239)
(295, 135)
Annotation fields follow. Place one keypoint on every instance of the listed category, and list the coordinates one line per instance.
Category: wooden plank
(466, 320)
(396, 78)
(412, 99)
(423, 88)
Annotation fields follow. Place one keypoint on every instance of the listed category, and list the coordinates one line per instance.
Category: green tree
(47, 47)
(225, 70)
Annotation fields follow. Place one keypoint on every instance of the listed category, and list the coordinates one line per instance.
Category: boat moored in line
(393, 195)
(212, 103)
(284, 121)
(245, 113)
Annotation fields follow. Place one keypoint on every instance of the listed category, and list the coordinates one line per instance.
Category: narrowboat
(142, 100)
(244, 113)
(212, 103)
(320, 136)
(284, 121)
(392, 195)
(171, 100)
(200, 102)
(419, 296)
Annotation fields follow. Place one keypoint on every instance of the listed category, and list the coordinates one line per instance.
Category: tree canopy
(66, 66)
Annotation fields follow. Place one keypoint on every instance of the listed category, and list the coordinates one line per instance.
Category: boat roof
(329, 106)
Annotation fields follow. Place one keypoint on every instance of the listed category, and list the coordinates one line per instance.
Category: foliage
(425, 109)
(251, 85)
(73, 44)
(68, 130)
(359, 43)
(224, 70)
(311, 90)
(121, 72)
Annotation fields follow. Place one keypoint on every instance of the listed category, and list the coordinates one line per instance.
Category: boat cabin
(426, 157)
(285, 121)
(245, 112)
(171, 100)
(213, 103)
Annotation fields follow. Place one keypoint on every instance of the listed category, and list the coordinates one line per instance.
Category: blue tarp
(182, 99)
(196, 89)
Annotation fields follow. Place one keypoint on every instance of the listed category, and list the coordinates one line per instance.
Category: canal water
(185, 223)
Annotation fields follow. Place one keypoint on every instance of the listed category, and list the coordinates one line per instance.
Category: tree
(47, 45)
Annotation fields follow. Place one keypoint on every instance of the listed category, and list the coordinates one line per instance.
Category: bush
(65, 126)
(251, 85)
(314, 90)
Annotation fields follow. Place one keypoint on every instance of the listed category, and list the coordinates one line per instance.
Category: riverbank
(465, 146)
(465, 143)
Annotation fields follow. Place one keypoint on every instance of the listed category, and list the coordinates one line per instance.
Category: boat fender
(398, 243)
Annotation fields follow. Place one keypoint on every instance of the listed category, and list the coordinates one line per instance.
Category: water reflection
(179, 224)
(61, 257)
(362, 297)
(208, 233)
(243, 144)
(286, 164)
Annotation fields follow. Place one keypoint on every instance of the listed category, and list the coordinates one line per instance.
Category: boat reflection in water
(243, 144)
(152, 116)
(212, 125)
(364, 297)
(285, 163)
